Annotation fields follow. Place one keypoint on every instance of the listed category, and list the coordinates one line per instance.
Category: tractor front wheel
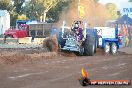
(61, 41)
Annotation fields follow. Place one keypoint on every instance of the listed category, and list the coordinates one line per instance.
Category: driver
(78, 29)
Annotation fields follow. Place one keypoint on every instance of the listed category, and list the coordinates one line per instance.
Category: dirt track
(34, 68)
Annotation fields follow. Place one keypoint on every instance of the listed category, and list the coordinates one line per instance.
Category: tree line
(43, 10)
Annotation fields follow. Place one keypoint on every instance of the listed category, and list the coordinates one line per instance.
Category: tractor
(78, 39)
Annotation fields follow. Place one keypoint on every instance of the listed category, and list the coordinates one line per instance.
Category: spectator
(130, 33)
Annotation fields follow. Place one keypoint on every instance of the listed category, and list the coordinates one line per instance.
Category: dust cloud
(96, 13)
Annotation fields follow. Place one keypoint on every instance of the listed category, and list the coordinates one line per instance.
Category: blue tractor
(81, 40)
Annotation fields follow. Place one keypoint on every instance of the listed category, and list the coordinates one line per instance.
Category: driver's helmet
(76, 24)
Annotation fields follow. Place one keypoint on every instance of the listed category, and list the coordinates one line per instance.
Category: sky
(121, 4)
(117, 2)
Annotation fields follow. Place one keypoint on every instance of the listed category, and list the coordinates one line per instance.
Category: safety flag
(81, 11)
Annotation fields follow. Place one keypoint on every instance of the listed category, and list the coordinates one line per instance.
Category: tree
(52, 6)
(18, 5)
(48, 4)
(15, 9)
(112, 9)
(53, 13)
(4, 4)
(33, 9)
(9, 5)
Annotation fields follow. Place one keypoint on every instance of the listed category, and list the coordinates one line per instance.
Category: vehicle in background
(26, 28)
(20, 31)
(109, 39)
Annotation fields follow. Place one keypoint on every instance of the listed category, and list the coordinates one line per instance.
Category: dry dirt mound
(13, 56)
(67, 54)
(46, 55)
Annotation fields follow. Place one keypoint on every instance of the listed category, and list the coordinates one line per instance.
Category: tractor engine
(71, 43)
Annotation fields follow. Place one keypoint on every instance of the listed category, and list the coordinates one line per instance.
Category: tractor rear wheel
(89, 46)
(96, 45)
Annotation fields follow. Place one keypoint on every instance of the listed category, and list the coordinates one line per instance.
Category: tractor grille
(71, 42)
